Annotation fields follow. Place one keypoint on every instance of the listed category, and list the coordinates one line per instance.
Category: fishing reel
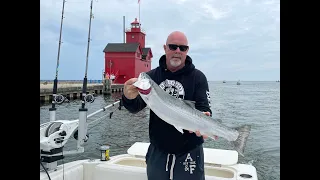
(89, 98)
(59, 99)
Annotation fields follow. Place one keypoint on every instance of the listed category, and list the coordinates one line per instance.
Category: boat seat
(211, 156)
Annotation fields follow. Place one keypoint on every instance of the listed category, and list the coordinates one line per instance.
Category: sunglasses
(174, 47)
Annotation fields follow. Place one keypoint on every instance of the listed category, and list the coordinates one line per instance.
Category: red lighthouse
(128, 60)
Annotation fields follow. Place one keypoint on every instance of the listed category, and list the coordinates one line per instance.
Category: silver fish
(183, 115)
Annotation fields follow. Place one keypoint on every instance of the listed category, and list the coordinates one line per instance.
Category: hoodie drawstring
(172, 164)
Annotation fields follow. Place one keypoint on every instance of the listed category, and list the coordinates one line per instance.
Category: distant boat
(238, 83)
(224, 81)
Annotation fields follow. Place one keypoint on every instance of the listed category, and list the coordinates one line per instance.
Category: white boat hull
(133, 167)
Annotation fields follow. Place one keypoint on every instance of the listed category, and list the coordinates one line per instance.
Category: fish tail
(240, 143)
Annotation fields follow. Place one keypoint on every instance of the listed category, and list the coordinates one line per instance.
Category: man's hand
(198, 132)
(130, 91)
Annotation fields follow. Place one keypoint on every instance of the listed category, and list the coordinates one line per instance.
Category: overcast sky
(229, 39)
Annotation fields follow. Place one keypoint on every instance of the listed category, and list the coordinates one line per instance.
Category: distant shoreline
(71, 81)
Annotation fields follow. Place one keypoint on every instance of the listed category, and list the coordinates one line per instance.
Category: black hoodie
(187, 83)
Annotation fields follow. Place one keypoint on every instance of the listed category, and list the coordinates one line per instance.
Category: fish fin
(190, 103)
(179, 129)
(240, 143)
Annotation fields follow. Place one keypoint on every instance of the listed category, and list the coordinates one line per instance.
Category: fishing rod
(85, 97)
(57, 99)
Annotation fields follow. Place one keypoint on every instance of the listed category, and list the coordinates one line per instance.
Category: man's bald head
(176, 57)
(177, 35)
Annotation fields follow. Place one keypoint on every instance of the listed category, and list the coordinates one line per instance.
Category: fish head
(143, 84)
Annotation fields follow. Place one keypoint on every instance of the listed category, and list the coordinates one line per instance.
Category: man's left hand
(198, 132)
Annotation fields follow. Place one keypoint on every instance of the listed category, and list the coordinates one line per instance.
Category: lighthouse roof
(145, 51)
(135, 21)
(125, 47)
(121, 47)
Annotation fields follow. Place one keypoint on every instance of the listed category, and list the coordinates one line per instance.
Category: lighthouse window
(132, 36)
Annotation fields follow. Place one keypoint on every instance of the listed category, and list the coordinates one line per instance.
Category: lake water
(255, 103)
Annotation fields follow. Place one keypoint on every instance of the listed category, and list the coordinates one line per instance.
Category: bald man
(172, 154)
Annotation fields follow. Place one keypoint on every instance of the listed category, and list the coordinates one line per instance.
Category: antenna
(124, 29)
(139, 13)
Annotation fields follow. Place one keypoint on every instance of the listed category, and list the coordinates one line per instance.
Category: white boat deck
(219, 165)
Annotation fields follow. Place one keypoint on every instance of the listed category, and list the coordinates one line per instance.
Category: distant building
(127, 60)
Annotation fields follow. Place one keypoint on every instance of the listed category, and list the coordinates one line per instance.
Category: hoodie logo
(174, 88)
(189, 165)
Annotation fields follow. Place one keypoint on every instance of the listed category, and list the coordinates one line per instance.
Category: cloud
(231, 40)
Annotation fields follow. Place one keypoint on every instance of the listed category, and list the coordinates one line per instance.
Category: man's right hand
(130, 91)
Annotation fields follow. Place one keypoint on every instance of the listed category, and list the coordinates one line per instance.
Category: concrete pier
(74, 90)
(109, 87)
